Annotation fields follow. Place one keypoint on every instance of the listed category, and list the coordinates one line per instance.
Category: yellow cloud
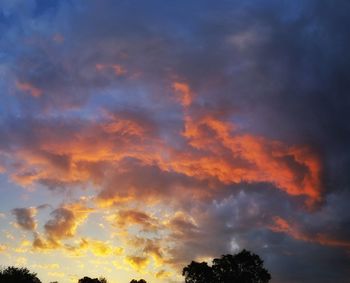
(3, 248)
(137, 262)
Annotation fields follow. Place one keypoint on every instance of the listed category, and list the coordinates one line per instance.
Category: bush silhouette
(18, 275)
(244, 267)
(138, 281)
(90, 280)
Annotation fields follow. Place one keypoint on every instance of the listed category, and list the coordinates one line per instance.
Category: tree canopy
(92, 280)
(138, 281)
(198, 273)
(243, 267)
(13, 274)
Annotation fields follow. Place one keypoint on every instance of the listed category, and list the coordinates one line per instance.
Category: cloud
(215, 150)
(126, 218)
(163, 274)
(96, 247)
(25, 218)
(99, 248)
(2, 169)
(41, 243)
(65, 221)
(3, 248)
(184, 93)
(296, 170)
(117, 69)
(57, 274)
(23, 247)
(47, 266)
(282, 226)
(26, 87)
(137, 262)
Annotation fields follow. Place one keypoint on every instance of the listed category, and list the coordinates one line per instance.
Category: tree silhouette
(244, 267)
(18, 275)
(198, 273)
(90, 280)
(138, 281)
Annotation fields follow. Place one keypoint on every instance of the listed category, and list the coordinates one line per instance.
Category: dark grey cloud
(243, 220)
(25, 218)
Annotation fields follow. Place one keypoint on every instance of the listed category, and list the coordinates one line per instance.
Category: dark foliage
(244, 267)
(198, 273)
(138, 281)
(18, 275)
(91, 280)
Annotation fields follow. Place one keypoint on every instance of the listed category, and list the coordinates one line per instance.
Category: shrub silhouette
(90, 280)
(138, 281)
(18, 275)
(244, 267)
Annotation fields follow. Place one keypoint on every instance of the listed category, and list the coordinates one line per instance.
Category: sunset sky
(139, 135)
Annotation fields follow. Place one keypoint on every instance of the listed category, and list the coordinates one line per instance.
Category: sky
(137, 136)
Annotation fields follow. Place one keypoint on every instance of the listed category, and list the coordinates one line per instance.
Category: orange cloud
(77, 158)
(65, 221)
(163, 274)
(283, 226)
(184, 93)
(118, 70)
(233, 158)
(126, 218)
(29, 88)
(152, 248)
(181, 223)
(216, 151)
(3, 248)
(41, 243)
(124, 127)
(212, 149)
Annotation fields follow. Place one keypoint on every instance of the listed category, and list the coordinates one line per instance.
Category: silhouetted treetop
(197, 272)
(244, 267)
(18, 275)
(138, 281)
(91, 280)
